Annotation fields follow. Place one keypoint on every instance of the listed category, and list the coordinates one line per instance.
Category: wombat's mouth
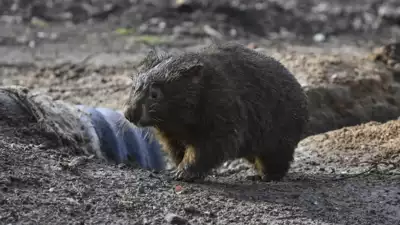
(139, 117)
(144, 123)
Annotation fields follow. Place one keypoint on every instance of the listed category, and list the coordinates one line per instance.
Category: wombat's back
(272, 98)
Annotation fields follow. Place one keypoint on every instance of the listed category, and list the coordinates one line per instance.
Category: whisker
(158, 119)
(146, 135)
(122, 125)
(150, 136)
(153, 105)
(119, 127)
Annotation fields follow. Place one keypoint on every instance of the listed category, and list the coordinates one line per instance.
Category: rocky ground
(345, 172)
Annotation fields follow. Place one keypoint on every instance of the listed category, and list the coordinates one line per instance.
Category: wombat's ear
(195, 71)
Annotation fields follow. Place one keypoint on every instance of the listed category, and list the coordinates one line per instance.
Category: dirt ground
(82, 52)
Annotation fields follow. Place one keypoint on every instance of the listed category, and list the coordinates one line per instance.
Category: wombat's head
(166, 91)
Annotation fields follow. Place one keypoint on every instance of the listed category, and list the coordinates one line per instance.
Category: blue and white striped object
(88, 129)
(124, 145)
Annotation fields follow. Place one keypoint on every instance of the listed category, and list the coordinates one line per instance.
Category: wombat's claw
(185, 175)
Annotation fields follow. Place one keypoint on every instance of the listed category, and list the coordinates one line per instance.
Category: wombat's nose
(132, 114)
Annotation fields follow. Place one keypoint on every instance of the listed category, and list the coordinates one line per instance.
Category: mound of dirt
(357, 148)
(344, 89)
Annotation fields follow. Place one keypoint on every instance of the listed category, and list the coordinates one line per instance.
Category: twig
(374, 166)
(357, 174)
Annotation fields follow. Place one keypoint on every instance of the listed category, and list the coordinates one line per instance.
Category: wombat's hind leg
(252, 160)
(273, 166)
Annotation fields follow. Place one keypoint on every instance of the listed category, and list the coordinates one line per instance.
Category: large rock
(344, 89)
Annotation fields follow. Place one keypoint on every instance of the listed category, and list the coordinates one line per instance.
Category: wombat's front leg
(174, 148)
(199, 160)
(176, 151)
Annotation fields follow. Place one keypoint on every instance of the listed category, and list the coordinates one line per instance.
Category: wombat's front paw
(184, 174)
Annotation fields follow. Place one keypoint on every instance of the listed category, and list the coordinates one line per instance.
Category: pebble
(191, 209)
(77, 161)
(212, 32)
(233, 32)
(210, 214)
(178, 188)
(319, 37)
(389, 12)
(172, 218)
(139, 190)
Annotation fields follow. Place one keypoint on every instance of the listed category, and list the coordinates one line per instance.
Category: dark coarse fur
(223, 102)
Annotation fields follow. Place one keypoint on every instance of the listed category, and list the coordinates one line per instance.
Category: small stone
(396, 66)
(38, 22)
(22, 39)
(319, 37)
(53, 36)
(389, 12)
(191, 209)
(32, 44)
(162, 25)
(212, 32)
(121, 166)
(178, 188)
(78, 161)
(313, 163)
(146, 221)
(41, 35)
(252, 45)
(172, 218)
(180, 2)
(233, 32)
(140, 190)
(210, 214)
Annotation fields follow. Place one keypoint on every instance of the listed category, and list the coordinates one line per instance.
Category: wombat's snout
(138, 115)
(133, 113)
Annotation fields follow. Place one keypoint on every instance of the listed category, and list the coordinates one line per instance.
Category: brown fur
(224, 102)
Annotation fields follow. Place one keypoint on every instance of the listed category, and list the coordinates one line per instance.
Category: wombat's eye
(155, 92)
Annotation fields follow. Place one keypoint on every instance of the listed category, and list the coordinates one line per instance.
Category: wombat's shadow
(319, 196)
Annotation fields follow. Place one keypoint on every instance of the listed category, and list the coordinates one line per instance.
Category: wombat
(223, 102)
